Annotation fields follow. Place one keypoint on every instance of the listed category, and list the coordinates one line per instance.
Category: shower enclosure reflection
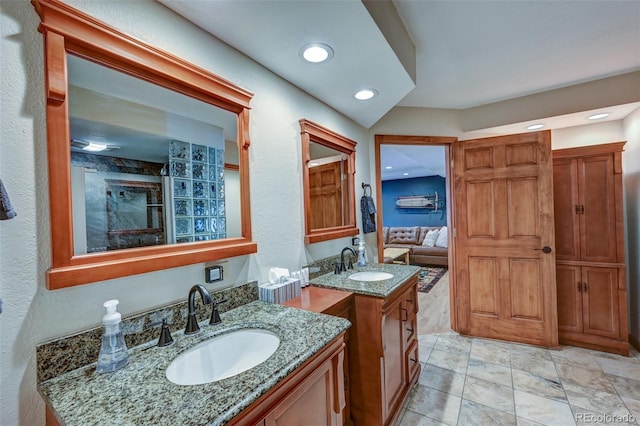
(147, 163)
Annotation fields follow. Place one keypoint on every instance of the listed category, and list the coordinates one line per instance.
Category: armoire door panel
(526, 291)
(597, 209)
(566, 206)
(600, 295)
(522, 207)
(569, 284)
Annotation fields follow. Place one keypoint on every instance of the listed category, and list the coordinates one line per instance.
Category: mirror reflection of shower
(148, 165)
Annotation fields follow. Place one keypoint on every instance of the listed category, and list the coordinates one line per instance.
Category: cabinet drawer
(409, 328)
(412, 362)
(411, 299)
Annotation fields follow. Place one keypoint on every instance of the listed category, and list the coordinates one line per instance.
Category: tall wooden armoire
(590, 256)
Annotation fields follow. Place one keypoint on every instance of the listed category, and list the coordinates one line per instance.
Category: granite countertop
(141, 394)
(401, 273)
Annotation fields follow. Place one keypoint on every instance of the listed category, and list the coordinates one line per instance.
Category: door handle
(545, 249)
(579, 286)
(577, 209)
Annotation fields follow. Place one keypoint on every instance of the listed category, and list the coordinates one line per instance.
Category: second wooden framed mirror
(328, 163)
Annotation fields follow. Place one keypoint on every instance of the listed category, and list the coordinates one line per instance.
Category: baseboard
(597, 343)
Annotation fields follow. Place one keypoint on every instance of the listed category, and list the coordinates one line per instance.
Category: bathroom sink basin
(222, 357)
(370, 276)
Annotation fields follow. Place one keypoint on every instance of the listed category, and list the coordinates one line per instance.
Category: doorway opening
(415, 219)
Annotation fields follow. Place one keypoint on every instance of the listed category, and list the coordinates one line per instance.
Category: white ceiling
(467, 52)
(471, 53)
(411, 161)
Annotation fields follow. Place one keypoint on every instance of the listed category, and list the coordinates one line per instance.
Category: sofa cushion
(403, 235)
(423, 232)
(429, 251)
(430, 238)
(443, 238)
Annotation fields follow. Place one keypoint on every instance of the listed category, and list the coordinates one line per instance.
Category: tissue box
(279, 292)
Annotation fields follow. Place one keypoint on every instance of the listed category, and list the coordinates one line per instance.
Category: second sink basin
(223, 356)
(370, 276)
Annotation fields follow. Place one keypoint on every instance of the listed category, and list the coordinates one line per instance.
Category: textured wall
(631, 170)
(33, 314)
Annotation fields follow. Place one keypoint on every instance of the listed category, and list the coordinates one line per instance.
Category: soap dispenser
(362, 254)
(113, 351)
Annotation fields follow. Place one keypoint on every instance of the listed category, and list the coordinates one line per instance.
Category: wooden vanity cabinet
(590, 257)
(331, 302)
(313, 394)
(384, 354)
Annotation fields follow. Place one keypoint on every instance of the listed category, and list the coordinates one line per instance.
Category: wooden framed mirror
(328, 170)
(170, 184)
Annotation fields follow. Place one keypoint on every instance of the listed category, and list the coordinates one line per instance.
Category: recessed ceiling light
(535, 126)
(405, 174)
(365, 94)
(598, 116)
(95, 147)
(316, 53)
(388, 167)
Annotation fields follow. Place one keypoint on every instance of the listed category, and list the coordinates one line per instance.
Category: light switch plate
(213, 274)
(355, 241)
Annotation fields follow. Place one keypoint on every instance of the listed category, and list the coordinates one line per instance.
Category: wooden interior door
(505, 264)
(325, 190)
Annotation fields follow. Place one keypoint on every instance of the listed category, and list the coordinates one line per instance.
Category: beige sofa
(412, 237)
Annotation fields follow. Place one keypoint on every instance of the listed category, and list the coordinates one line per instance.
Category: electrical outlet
(355, 241)
(213, 274)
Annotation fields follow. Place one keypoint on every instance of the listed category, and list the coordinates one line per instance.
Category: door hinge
(452, 163)
(455, 232)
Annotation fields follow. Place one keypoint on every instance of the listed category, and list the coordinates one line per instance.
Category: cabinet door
(569, 287)
(597, 209)
(394, 380)
(311, 400)
(600, 301)
(409, 310)
(566, 209)
(412, 361)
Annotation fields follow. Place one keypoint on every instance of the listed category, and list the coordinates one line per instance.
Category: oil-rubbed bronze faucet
(192, 322)
(342, 267)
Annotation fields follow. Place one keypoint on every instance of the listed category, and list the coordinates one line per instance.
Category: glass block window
(197, 185)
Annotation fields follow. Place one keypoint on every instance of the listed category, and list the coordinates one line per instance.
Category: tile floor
(473, 381)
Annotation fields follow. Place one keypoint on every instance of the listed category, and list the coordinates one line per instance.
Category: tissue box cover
(279, 292)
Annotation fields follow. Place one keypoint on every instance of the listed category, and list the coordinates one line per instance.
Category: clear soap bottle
(362, 254)
(113, 351)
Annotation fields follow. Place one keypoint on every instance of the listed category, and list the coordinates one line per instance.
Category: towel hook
(366, 186)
